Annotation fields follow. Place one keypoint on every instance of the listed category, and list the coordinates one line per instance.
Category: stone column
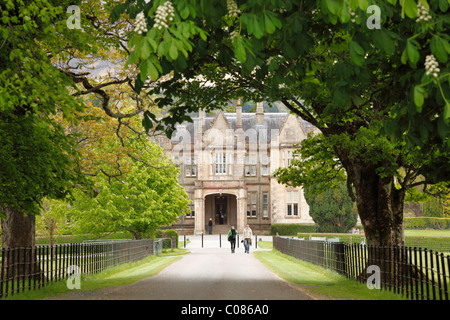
(199, 204)
(241, 210)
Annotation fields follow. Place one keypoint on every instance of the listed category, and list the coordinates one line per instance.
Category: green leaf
(173, 51)
(413, 53)
(446, 113)
(443, 128)
(419, 97)
(258, 27)
(269, 26)
(152, 71)
(147, 123)
(138, 84)
(344, 14)
(161, 49)
(239, 49)
(145, 50)
(410, 8)
(383, 41)
(184, 11)
(438, 47)
(277, 22)
(443, 5)
(404, 58)
(143, 68)
(356, 53)
(363, 4)
(333, 6)
(117, 11)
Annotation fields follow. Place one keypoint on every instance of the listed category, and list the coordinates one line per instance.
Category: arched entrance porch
(222, 209)
(225, 208)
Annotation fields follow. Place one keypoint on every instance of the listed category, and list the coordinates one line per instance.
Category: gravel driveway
(208, 273)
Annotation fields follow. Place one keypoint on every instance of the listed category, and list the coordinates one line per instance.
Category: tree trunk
(379, 203)
(18, 241)
(18, 230)
(380, 206)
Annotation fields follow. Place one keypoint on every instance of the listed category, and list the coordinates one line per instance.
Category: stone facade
(226, 163)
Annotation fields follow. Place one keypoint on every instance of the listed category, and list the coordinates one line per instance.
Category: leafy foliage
(36, 155)
(331, 209)
(140, 201)
(380, 103)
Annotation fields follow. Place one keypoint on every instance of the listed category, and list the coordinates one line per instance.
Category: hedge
(426, 223)
(291, 229)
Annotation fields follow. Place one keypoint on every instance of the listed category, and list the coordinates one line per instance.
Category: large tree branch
(98, 89)
(302, 112)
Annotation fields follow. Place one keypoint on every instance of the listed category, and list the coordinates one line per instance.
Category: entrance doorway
(221, 214)
(222, 210)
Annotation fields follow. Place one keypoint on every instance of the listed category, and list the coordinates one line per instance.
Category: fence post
(220, 240)
(444, 276)
(256, 241)
(202, 239)
(185, 240)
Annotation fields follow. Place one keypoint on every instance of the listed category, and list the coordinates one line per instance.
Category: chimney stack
(259, 113)
(201, 121)
(239, 114)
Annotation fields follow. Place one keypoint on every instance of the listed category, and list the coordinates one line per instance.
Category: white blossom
(141, 24)
(233, 10)
(353, 15)
(233, 35)
(422, 13)
(431, 66)
(164, 14)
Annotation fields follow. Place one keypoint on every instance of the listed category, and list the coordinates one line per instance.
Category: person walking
(232, 238)
(247, 235)
(210, 224)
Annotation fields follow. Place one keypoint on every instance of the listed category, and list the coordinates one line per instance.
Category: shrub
(291, 229)
(427, 223)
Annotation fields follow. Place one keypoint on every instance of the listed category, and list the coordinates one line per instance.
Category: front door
(221, 209)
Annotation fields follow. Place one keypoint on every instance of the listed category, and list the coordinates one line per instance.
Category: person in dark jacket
(232, 238)
(210, 224)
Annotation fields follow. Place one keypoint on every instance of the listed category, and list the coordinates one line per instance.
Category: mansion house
(226, 163)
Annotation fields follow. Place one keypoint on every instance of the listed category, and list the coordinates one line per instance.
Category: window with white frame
(190, 167)
(265, 165)
(289, 157)
(219, 164)
(265, 205)
(191, 213)
(292, 203)
(251, 204)
(250, 166)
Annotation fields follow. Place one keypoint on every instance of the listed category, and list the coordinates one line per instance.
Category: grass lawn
(115, 276)
(427, 233)
(316, 279)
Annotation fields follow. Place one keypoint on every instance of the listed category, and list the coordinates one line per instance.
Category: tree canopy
(373, 80)
(61, 75)
(147, 196)
(331, 209)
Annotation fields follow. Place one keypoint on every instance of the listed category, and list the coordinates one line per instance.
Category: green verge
(318, 280)
(123, 274)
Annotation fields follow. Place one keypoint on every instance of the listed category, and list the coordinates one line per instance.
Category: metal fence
(32, 268)
(415, 273)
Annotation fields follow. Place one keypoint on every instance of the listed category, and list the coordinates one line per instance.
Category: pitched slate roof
(272, 121)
